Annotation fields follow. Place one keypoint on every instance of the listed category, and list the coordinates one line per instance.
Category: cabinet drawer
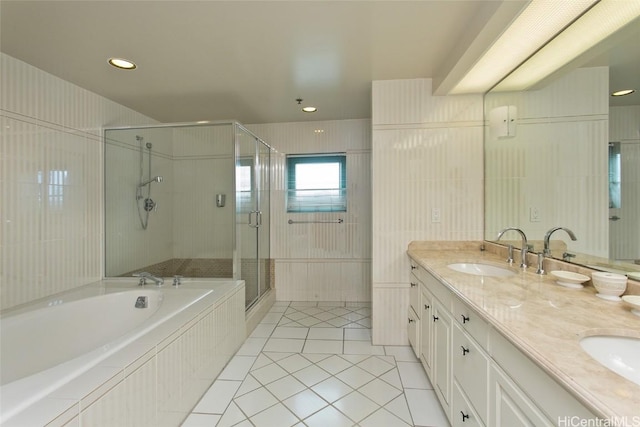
(440, 291)
(462, 413)
(471, 322)
(471, 370)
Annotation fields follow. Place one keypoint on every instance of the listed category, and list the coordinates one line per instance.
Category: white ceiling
(243, 60)
(250, 60)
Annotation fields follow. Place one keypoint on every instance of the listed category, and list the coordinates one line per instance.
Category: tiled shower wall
(51, 166)
(556, 162)
(187, 227)
(322, 262)
(624, 238)
(427, 184)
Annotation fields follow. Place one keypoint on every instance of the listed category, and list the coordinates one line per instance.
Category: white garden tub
(56, 341)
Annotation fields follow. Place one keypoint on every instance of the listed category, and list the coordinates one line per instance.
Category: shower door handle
(258, 219)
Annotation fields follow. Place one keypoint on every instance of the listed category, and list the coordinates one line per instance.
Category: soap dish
(634, 302)
(569, 279)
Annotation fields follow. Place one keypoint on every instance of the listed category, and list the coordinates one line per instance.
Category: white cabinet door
(471, 370)
(442, 355)
(413, 330)
(462, 412)
(510, 407)
(426, 332)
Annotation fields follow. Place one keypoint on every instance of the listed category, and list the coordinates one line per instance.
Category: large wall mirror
(565, 153)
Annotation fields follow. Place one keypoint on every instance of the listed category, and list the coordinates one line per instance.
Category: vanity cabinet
(479, 377)
(433, 301)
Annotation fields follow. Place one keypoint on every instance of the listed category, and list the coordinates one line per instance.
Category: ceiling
(250, 60)
(243, 60)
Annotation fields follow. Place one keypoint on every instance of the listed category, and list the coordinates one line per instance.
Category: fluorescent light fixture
(309, 109)
(535, 26)
(601, 21)
(123, 64)
(623, 92)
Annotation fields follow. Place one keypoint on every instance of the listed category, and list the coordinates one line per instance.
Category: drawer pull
(411, 320)
(435, 318)
(465, 319)
(465, 417)
(413, 285)
(464, 350)
(413, 267)
(427, 307)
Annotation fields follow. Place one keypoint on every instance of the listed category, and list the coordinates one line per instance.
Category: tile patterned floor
(313, 364)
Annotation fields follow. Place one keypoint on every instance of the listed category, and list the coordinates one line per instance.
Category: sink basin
(620, 354)
(481, 269)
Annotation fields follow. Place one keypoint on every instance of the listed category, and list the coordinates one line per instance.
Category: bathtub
(55, 342)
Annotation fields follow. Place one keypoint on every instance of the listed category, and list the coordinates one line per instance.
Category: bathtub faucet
(144, 276)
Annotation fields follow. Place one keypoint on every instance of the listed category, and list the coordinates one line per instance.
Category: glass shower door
(265, 266)
(247, 218)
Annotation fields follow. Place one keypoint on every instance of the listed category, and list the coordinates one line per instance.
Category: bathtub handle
(141, 302)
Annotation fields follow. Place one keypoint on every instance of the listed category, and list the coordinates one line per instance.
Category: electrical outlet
(534, 215)
(435, 215)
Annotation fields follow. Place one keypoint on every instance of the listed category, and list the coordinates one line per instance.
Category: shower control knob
(150, 205)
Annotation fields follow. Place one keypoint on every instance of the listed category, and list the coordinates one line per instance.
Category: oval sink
(481, 269)
(620, 354)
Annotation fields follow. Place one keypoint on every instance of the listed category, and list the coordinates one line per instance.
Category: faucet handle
(143, 277)
(176, 280)
(540, 269)
(510, 254)
(524, 252)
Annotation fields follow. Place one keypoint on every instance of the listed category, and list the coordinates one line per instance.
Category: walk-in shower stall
(188, 200)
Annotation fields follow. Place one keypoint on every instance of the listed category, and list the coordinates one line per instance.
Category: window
(614, 175)
(317, 183)
(244, 184)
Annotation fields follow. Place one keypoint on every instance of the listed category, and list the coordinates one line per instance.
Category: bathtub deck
(313, 364)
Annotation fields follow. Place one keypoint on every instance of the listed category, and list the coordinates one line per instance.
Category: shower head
(155, 179)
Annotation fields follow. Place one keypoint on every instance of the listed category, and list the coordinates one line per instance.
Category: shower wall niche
(203, 218)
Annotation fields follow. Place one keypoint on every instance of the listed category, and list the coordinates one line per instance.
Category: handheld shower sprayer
(155, 179)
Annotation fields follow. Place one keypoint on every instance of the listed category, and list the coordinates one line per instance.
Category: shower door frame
(254, 218)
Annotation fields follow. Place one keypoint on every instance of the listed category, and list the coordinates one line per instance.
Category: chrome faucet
(524, 248)
(547, 251)
(144, 276)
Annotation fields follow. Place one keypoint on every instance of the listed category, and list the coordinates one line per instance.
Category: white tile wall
(51, 235)
(427, 155)
(196, 164)
(557, 162)
(322, 262)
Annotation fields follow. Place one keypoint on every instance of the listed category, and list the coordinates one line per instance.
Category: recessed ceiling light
(309, 109)
(124, 64)
(623, 92)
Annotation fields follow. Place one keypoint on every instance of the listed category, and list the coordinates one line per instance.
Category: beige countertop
(544, 320)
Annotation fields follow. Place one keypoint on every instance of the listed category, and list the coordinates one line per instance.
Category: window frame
(295, 159)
